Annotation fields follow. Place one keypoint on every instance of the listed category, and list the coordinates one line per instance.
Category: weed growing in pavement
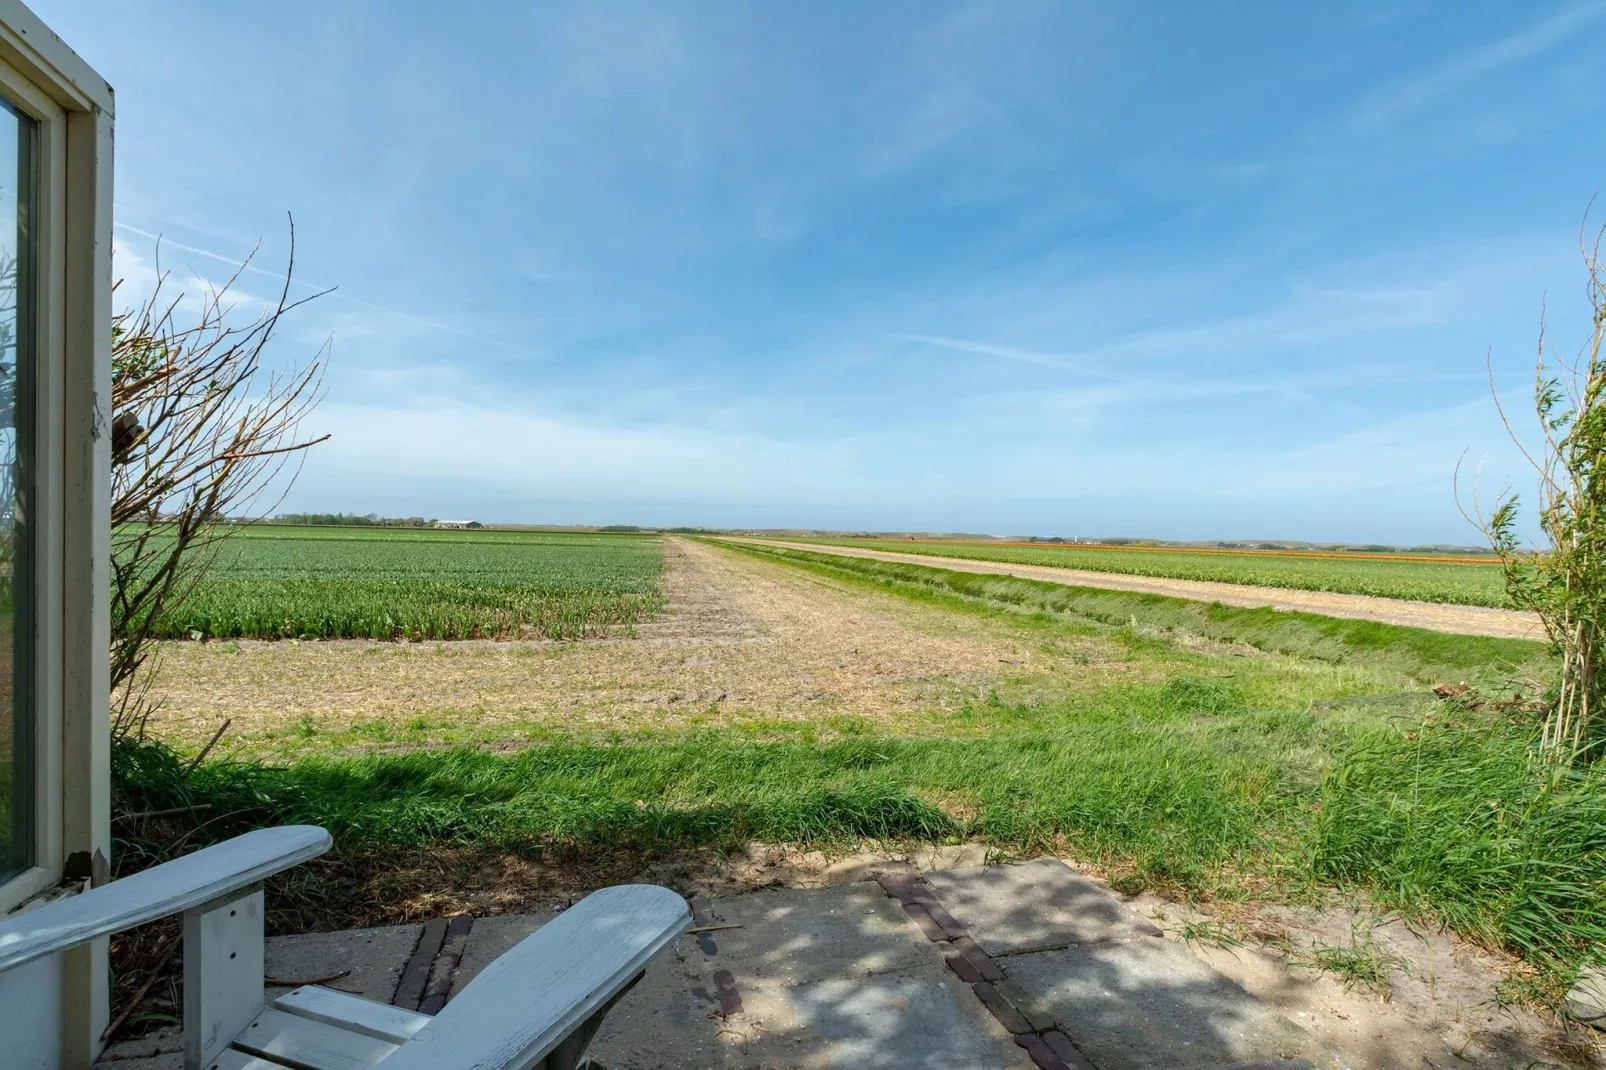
(1211, 933)
(1362, 964)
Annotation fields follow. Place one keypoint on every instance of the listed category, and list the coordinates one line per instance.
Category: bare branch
(210, 430)
(1565, 582)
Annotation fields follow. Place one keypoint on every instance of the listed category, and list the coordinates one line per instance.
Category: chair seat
(313, 1028)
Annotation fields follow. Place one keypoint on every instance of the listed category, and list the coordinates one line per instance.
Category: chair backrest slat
(169, 888)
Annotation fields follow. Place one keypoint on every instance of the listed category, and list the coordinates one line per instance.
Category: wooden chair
(537, 1006)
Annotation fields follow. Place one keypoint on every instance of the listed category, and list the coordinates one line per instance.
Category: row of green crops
(285, 582)
(1471, 583)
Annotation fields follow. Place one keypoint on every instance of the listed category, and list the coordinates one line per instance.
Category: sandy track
(1435, 616)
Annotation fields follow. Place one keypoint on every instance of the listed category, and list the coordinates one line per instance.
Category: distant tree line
(363, 520)
(638, 529)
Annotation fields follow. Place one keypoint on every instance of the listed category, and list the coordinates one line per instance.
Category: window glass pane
(18, 136)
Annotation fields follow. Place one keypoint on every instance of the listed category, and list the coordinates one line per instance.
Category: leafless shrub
(201, 431)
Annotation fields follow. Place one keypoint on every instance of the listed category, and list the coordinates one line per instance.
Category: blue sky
(1178, 270)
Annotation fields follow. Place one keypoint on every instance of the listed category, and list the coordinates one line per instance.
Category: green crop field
(1472, 583)
(377, 583)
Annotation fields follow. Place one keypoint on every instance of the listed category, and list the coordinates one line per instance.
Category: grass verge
(1175, 808)
(1449, 821)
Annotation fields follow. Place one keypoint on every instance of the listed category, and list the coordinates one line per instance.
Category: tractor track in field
(1434, 616)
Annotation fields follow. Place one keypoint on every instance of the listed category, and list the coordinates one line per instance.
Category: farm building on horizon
(461, 524)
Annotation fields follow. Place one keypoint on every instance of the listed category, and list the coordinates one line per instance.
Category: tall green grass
(1453, 822)
(1461, 820)
(1174, 804)
(1189, 781)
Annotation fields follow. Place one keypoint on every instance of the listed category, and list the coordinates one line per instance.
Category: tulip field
(384, 583)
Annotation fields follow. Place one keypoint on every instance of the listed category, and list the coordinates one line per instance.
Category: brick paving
(1017, 1010)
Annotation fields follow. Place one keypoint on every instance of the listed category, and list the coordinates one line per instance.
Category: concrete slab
(840, 977)
(924, 1019)
(489, 938)
(375, 958)
(1034, 906)
(1587, 999)
(666, 1020)
(157, 1050)
(1147, 1003)
(801, 935)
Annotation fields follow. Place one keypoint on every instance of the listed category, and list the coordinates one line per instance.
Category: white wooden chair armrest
(154, 893)
(531, 998)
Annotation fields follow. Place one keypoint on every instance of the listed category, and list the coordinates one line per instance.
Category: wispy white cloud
(331, 292)
(140, 274)
(554, 454)
(1261, 470)
(1401, 98)
(1344, 320)
(1003, 352)
(1312, 314)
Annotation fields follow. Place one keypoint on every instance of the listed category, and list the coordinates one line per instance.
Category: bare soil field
(1435, 616)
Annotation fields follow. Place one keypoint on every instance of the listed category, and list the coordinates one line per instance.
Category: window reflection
(17, 160)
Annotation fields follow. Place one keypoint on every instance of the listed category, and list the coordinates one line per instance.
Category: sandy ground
(743, 642)
(1435, 616)
(1443, 1007)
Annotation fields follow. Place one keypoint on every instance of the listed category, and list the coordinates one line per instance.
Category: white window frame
(41, 77)
(45, 519)
(74, 109)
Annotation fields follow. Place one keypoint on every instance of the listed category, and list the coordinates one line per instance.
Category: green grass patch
(1175, 806)
(1460, 819)
(1448, 821)
(1361, 964)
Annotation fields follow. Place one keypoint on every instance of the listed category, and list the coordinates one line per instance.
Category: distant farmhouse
(458, 524)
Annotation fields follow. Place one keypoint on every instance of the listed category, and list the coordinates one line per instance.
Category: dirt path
(743, 643)
(1435, 616)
